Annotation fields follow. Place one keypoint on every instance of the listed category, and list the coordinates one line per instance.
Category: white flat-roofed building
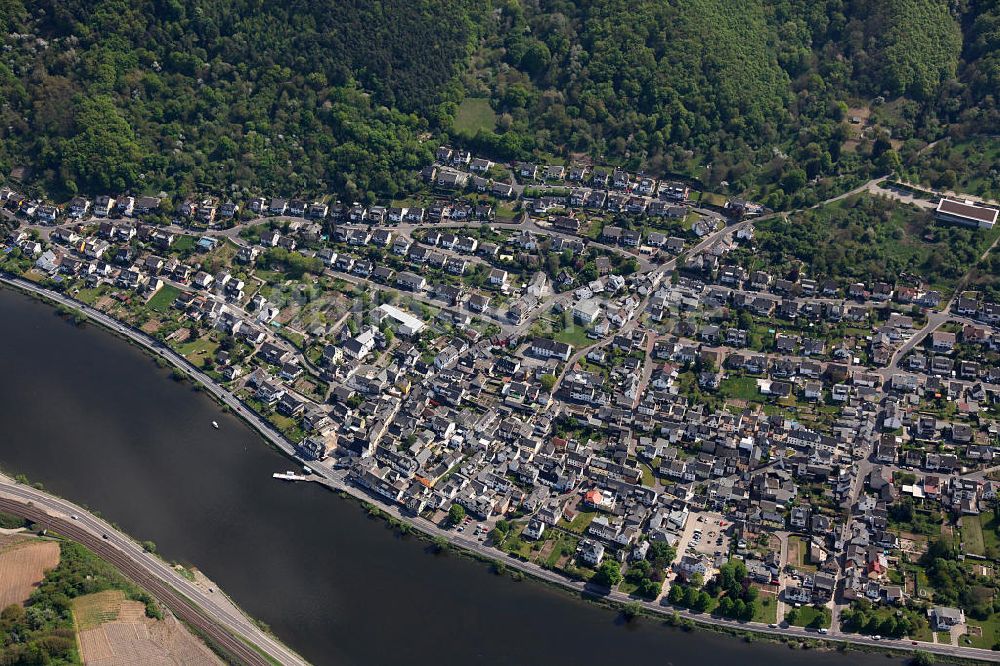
(408, 324)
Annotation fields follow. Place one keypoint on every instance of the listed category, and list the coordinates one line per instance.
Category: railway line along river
(96, 421)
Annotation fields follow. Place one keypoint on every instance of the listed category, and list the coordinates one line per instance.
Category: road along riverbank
(295, 500)
(235, 635)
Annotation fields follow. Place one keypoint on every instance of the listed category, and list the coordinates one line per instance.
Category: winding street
(128, 554)
(655, 276)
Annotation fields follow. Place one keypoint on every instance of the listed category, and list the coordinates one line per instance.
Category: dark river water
(97, 422)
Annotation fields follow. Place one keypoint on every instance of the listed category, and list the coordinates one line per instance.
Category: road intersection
(336, 479)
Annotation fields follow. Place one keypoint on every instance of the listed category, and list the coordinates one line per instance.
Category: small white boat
(215, 425)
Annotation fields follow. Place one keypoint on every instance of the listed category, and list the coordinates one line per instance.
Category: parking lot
(705, 534)
(472, 528)
(708, 537)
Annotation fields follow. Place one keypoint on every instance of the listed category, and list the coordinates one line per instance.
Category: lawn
(287, 425)
(924, 634)
(741, 388)
(565, 545)
(270, 277)
(594, 229)
(805, 616)
(518, 546)
(972, 535)
(580, 522)
(295, 338)
(184, 243)
(991, 633)
(766, 609)
(34, 276)
(574, 335)
(505, 211)
(578, 569)
(474, 114)
(714, 199)
(198, 350)
(648, 477)
(90, 296)
(798, 553)
(923, 586)
(990, 530)
(164, 298)
(408, 202)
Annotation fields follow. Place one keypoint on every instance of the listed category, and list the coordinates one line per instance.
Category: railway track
(234, 649)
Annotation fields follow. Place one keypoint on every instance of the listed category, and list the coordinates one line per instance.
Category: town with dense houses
(580, 369)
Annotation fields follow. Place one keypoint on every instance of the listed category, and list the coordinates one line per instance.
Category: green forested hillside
(636, 75)
(349, 96)
(202, 94)
(680, 85)
(917, 44)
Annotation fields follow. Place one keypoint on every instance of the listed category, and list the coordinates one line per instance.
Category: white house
(360, 345)
(591, 552)
(587, 311)
(545, 348)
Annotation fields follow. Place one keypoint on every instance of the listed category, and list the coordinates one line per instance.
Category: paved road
(934, 320)
(656, 275)
(870, 186)
(663, 608)
(491, 315)
(336, 479)
(211, 613)
(164, 352)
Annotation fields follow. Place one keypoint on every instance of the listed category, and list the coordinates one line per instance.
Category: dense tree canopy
(456, 514)
(103, 153)
(917, 45)
(608, 574)
(955, 583)
(347, 96)
(203, 95)
(678, 85)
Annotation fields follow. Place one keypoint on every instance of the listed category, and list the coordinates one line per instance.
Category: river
(96, 421)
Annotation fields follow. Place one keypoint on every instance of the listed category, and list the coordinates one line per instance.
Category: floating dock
(290, 476)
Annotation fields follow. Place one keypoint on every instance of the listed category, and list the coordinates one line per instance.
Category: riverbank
(432, 531)
(230, 634)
